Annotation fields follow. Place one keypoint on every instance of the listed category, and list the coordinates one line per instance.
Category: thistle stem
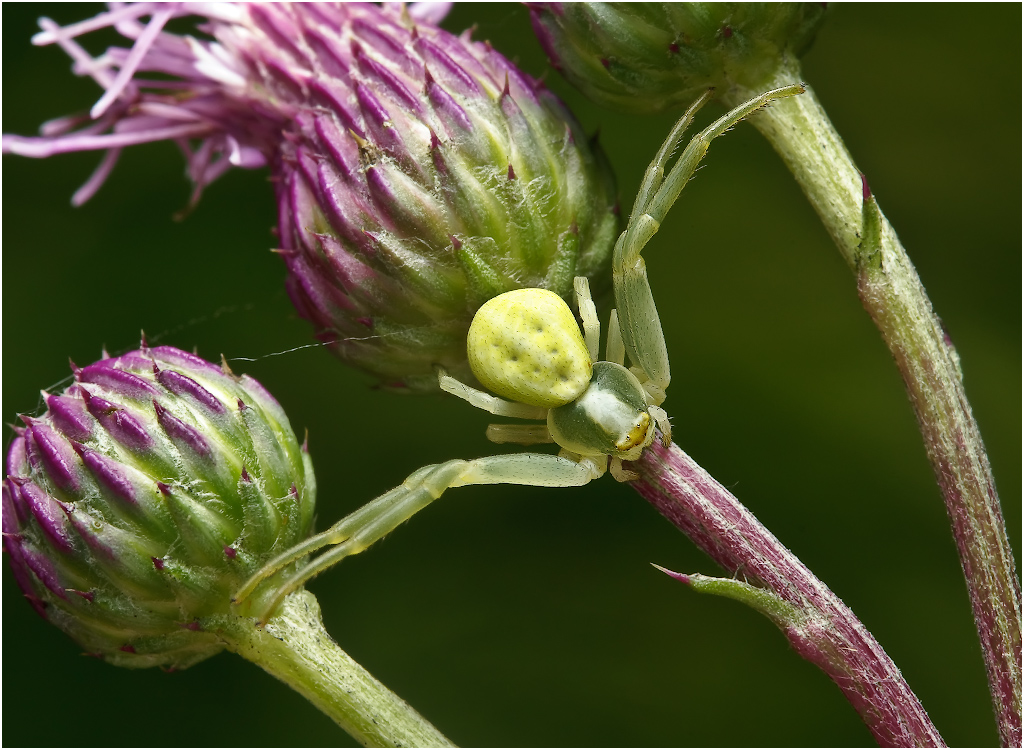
(894, 296)
(295, 648)
(818, 625)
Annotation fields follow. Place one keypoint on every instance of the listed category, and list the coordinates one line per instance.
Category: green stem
(893, 295)
(295, 648)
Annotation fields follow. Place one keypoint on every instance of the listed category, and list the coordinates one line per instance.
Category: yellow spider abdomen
(526, 346)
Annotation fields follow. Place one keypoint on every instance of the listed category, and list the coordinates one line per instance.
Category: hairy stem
(893, 295)
(817, 624)
(295, 648)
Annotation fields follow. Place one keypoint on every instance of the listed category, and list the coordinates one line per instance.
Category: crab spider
(526, 346)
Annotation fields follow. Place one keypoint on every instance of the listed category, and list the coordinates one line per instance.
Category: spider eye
(525, 345)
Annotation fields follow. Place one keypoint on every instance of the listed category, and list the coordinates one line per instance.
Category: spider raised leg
(526, 347)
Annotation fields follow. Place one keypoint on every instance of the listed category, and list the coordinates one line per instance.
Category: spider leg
(695, 150)
(620, 473)
(656, 170)
(639, 324)
(522, 434)
(615, 350)
(655, 394)
(638, 316)
(661, 417)
(588, 313)
(360, 529)
(486, 401)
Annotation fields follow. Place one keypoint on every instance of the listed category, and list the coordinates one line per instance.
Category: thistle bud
(418, 174)
(147, 492)
(654, 57)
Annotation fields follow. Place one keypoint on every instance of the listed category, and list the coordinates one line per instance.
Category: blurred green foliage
(521, 616)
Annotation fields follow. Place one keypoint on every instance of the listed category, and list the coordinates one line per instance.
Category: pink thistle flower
(417, 173)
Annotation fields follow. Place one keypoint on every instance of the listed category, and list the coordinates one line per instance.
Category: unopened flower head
(657, 57)
(418, 173)
(147, 492)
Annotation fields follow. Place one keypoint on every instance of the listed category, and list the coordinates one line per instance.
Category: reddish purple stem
(829, 635)
(957, 454)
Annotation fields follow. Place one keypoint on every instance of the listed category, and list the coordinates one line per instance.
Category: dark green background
(519, 616)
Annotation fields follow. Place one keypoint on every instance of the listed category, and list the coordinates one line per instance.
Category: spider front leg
(638, 319)
(616, 352)
(486, 401)
(520, 434)
(379, 517)
(523, 434)
(588, 314)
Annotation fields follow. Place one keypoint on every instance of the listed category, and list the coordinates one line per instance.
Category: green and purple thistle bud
(655, 57)
(418, 173)
(144, 496)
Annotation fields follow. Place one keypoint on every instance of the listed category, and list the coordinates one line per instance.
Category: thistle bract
(656, 57)
(418, 173)
(148, 491)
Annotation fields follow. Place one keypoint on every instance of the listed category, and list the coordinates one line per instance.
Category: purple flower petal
(128, 68)
(429, 12)
(98, 177)
(41, 148)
